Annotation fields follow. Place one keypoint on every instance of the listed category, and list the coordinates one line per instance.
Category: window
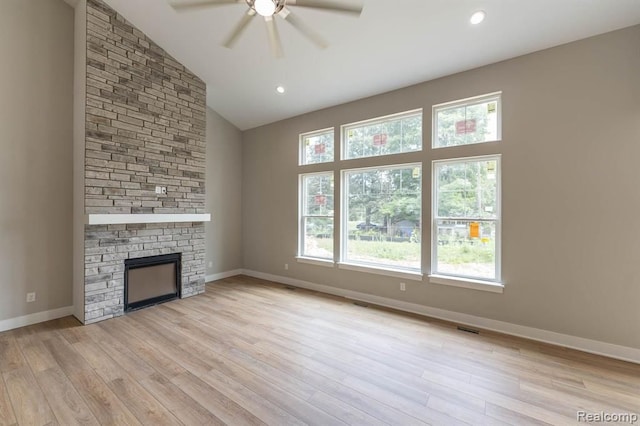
(380, 204)
(388, 135)
(466, 218)
(381, 207)
(382, 216)
(316, 147)
(316, 218)
(469, 121)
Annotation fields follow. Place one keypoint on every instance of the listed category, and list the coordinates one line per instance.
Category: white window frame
(436, 277)
(302, 149)
(400, 115)
(495, 96)
(344, 263)
(302, 257)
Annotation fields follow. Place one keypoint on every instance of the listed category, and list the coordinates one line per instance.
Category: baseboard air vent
(468, 330)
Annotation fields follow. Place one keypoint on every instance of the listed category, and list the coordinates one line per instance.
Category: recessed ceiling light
(478, 17)
(280, 89)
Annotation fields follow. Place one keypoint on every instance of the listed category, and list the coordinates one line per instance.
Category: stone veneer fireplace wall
(145, 127)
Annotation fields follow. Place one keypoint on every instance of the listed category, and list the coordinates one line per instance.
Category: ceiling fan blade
(239, 29)
(329, 5)
(274, 37)
(182, 6)
(299, 25)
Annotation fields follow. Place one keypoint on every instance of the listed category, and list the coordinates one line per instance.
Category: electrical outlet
(163, 190)
(286, 266)
(158, 190)
(403, 287)
(31, 297)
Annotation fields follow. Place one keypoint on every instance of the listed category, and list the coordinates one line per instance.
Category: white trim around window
(380, 270)
(370, 265)
(382, 140)
(467, 283)
(325, 217)
(489, 99)
(460, 279)
(327, 263)
(327, 154)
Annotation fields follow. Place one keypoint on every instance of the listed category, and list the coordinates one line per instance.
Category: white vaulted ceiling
(393, 44)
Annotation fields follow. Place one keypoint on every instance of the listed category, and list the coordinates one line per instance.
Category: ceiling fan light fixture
(268, 9)
(265, 7)
(478, 17)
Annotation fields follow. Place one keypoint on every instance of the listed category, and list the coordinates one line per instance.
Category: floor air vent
(362, 304)
(468, 330)
(288, 287)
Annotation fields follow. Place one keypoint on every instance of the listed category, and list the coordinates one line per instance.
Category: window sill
(398, 273)
(314, 261)
(489, 286)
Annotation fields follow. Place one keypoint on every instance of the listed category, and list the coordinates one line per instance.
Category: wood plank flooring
(251, 352)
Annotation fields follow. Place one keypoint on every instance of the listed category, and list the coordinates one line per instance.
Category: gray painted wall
(223, 198)
(36, 165)
(570, 150)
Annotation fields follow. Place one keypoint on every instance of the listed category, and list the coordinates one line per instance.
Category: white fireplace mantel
(120, 219)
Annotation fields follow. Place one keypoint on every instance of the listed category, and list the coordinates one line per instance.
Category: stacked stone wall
(145, 129)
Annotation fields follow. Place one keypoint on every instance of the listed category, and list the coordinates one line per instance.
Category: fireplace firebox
(151, 280)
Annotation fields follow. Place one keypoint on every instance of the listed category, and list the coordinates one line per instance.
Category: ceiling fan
(269, 9)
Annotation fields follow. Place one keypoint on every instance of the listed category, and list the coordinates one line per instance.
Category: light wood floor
(253, 352)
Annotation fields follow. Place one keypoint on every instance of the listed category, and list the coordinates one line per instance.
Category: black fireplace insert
(151, 280)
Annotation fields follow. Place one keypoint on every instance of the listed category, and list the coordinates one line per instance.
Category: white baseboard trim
(25, 320)
(222, 275)
(610, 350)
